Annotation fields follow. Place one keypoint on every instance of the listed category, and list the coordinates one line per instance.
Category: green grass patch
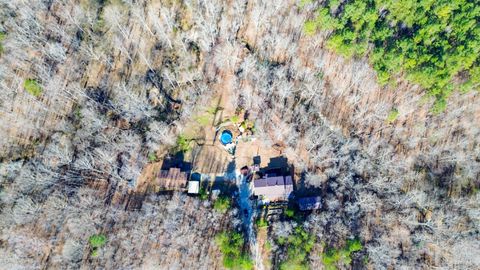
(214, 109)
(32, 87)
(203, 120)
(392, 115)
(222, 204)
(333, 257)
(298, 244)
(231, 246)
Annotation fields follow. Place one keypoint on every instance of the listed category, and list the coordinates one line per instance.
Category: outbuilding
(193, 187)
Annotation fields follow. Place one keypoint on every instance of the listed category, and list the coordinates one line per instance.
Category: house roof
(309, 203)
(273, 181)
(288, 180)
(171, 179)
(273, 188)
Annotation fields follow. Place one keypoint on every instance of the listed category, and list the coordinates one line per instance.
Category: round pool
(226, 137)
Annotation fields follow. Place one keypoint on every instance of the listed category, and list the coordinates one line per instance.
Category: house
(309, 203)
(171, 179)
(273, 188)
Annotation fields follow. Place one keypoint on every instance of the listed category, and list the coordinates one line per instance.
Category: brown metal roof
(172, 179)
(276, 188)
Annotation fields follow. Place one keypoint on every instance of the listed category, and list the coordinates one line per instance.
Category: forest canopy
(435, 43)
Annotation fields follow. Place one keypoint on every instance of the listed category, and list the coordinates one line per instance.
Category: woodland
(375, 103)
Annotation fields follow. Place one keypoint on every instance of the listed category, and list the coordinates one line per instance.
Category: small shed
(193, 187)
(309, 203)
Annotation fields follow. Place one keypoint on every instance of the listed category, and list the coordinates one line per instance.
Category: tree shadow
(177, 161)
(305, 190)
(277, 166)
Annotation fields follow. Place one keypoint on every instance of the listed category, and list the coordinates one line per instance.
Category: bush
(332, 256)
(222, 204)
(183, 143)
(231, 245)
(234, 119)
(392, 116)
(152, 157)
(96, 241)
(289, 213)
(298, 245)
(310, 28)
(2, 37)
(261, 223)
(202, 193)
(32, 87)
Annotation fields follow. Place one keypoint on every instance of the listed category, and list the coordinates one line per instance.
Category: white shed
(193, 187)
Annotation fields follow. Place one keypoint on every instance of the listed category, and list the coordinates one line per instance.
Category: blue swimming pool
(226, 137)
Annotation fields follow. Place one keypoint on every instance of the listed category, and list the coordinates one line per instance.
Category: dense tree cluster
(436, 43)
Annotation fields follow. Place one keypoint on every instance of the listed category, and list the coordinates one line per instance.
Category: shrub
(32, 87)
(96, 241)
(183, 143)
(310, 27)
(392, 116)
(152, 157)
(332, 256)
(298, 244)
(222, 204)
(354, 245)
(231, 245)
(234, 119)
(202, 193)
(2, 37)
(261, 223)
(289, 213)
